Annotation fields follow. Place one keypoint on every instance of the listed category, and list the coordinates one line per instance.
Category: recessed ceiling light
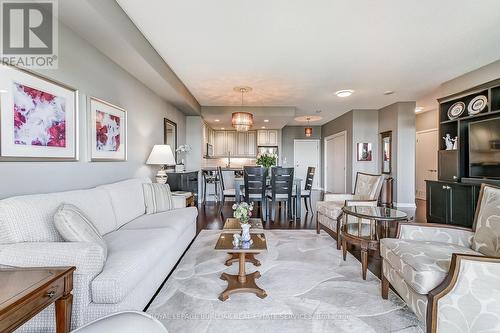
(263, 127)
(217, 120)
(419, 109)
(344, 93)
(3, 91)
(222, 128)
(266, 120)
(388, 92)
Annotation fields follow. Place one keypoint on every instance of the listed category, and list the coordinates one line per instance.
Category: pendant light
(242, 121)
(308, 130)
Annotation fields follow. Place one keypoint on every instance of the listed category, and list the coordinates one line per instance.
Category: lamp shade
(242, 121)
(161, 155)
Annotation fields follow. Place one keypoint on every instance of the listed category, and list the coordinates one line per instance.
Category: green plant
(266, 160)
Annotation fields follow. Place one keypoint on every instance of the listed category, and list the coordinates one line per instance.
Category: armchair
(329, 211)
(447, 275)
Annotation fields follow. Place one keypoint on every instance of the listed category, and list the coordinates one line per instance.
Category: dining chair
(281, 189)
(255, 187)
(306, 192)
(210, 177)
(225, 192)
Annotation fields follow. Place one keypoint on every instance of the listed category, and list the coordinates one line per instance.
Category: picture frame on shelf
(364, 152)
(107, 131)
(38, 117)
(386, 138)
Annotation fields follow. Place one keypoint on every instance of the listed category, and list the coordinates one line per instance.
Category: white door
(306, 154)
(426, 160)
(335, 163)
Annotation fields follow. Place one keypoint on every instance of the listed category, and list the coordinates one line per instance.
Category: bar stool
(210, 177)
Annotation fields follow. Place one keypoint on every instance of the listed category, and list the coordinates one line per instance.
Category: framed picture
(108, 131)
(170, 135)
(386, 152)
(38, 117)
(364, 152)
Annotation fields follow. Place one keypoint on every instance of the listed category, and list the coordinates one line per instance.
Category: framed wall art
(364, 152)
(38, 117)
(386, 138)
(108, 131)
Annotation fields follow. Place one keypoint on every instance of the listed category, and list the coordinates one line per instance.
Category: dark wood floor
(212, 217)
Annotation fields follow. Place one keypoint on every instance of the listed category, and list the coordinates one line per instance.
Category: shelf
(449, 121)
(482, 114)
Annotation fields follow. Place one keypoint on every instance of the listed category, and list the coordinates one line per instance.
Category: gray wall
(426, 120)
(290, 133)
(342, 123)
(365, 130)
(400, 119)
(93, 74)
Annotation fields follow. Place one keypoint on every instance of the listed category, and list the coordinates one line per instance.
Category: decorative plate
(477, 104)
(456, 110)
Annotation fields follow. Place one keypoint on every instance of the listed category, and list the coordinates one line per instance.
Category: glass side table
(372, 224)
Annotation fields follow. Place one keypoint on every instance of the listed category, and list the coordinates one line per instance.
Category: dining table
(239, 183)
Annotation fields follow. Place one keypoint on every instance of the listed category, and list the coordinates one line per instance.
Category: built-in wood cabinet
(238, 144)
(267, 137)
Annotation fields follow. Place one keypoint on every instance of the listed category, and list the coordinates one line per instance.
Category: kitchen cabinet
(451, 203)
(239, 144)
(267, 137)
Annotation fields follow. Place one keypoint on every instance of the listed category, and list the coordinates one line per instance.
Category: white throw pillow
(157, 198)
(75, 226)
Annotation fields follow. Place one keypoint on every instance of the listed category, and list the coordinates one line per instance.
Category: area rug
(309, 287)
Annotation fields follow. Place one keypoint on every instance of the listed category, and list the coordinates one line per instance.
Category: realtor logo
(29, 33)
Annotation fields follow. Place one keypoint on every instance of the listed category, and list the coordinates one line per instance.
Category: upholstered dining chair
(306, 192)
(255, 186)
(281, 190)
(329, 211)
(449, 276)
(225, 192)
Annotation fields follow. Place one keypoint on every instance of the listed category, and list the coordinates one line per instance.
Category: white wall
(93, 74)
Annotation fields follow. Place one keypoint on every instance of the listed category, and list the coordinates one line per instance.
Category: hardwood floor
(212, 217)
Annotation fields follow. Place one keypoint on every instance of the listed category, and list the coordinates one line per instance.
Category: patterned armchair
(449, 276)
(329, 211)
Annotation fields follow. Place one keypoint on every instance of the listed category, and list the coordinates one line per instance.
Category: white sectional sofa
(142, 249)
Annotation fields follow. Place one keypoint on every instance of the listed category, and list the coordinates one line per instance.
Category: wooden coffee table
(232, 225)
(243, 282)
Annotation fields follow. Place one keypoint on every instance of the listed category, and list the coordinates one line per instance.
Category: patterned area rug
(309, 287)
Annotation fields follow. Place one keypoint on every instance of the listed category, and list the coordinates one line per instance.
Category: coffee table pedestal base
(235, 286)
(249, 257)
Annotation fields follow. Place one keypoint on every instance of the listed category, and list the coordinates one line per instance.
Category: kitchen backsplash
(235, 162)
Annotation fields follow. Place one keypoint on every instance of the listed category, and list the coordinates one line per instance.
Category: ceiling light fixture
(388, 92)
(266, 120)
(242, 121)
(344, 93)
(263, 127)
(308, 131)
(217, 120)
(419, 109)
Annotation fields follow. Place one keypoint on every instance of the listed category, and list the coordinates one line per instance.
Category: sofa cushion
(30, 218)
(157, 198)
(74, 226)
(176, 219)
(131, 255)
(487, 237)
(331, 209)
(127, 198)
(423, 265)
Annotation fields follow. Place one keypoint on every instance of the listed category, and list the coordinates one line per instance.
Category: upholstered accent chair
(449, 276)
(329, 211)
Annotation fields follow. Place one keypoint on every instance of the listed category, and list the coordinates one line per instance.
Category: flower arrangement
(243, 211)
(267, 160)
(183, 149)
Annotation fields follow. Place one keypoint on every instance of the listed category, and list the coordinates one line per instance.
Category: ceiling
(300, 52)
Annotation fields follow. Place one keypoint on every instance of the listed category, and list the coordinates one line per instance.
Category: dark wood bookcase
(452, 199)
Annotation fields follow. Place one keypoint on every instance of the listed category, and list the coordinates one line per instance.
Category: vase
(245, 233)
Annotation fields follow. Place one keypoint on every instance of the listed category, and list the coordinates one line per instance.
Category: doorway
(335, 164)
(426, 160)
(306, 154)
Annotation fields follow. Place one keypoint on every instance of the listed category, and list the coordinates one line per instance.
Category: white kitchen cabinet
(231, 144)
(267, 137)
(251, 144)
(220, 143)
(239, 144)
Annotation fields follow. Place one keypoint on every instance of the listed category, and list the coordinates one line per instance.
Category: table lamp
(161, 155)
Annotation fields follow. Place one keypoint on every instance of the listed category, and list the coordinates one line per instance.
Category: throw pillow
(75, 226)
(157, 197)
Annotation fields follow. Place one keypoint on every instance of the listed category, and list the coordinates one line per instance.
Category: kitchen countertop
(213, 168)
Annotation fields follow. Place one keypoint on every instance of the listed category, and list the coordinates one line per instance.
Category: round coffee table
(371, 225)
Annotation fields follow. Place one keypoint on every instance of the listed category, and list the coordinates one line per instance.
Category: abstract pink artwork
(107, 131)
(39, 118)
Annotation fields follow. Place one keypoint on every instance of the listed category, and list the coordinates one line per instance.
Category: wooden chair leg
(385, 287)
(344, 249)
(317, 225)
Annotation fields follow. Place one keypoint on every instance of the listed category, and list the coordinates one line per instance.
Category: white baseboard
(405, 205)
